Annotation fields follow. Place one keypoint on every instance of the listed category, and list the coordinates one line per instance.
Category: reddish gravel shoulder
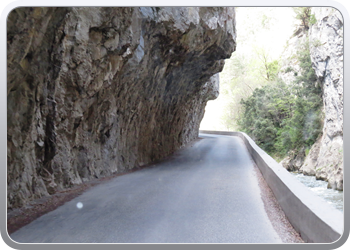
(275, 213)
(20, 217)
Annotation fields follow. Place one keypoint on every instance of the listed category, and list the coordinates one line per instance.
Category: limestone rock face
(308, 167)
(325, 158)
(289, 63)
(294, 160)
(326, 48)
(290, 69)
(94, 91)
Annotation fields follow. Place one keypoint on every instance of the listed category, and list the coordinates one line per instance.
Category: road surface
(205, 193)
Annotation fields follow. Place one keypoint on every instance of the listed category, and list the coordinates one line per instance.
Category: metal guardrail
(311, 216)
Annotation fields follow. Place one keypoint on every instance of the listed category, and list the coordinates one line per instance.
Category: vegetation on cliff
(279, 116)
(283, 117)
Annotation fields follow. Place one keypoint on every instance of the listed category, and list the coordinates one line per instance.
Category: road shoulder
(275, 213)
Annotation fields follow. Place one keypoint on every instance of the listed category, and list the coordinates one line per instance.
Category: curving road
(204, 193)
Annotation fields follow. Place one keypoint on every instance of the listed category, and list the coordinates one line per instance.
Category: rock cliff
(325, 158)
(94, 91)
(326, 49)
(289, 71)
(289, 63)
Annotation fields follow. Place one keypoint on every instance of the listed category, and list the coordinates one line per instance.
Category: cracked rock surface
(95, 91)
(325, 158)
(326, 49)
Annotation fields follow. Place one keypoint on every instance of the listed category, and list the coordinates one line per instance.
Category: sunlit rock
(326, 48)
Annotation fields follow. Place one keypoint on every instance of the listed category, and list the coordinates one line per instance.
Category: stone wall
(94, 91)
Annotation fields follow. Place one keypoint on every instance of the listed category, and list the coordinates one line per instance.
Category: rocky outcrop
(294, 160)
(289, 62)
(94, 91)
(289, 71)
(308, 167)
(325, 158)
(326, 48)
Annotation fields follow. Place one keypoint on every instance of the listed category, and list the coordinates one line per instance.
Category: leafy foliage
(247, 74)
(282, 117)
(244, 78)
(272, 70)
(268, 68)
(303, 14)
(313, 19)
(279, 117)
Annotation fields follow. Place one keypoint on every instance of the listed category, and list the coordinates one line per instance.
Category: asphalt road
(204, 193)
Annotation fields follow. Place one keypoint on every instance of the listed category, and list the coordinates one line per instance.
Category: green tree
(307, 78)
(304, 15)
(268, 68)
(282, 117)
(238, 81)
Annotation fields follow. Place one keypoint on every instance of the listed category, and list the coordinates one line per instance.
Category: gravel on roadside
(275, 213)
(19, 217)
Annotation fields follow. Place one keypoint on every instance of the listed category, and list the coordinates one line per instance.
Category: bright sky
(273, 40)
